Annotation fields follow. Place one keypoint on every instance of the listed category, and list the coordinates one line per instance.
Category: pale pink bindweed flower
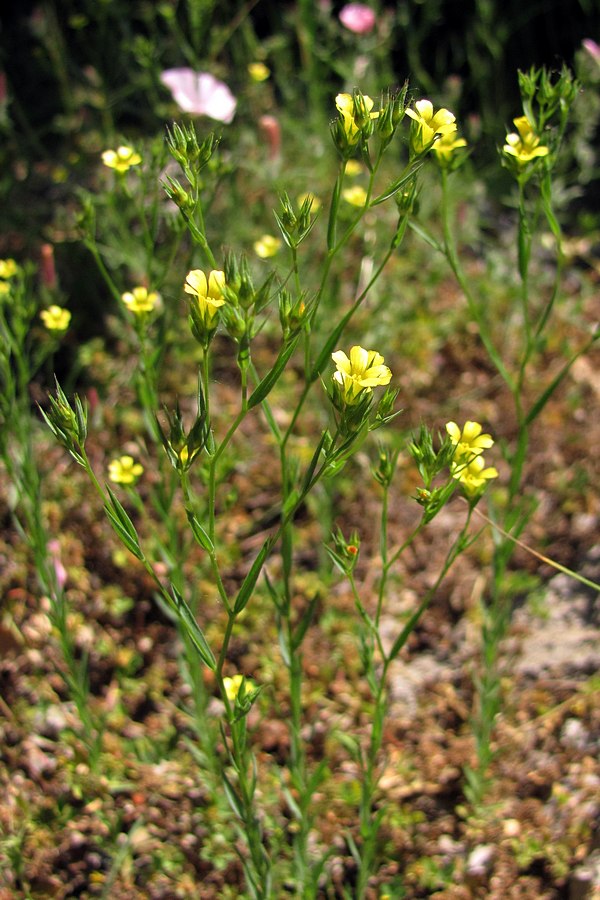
(357, 17)
(200, 94)
(592, 48)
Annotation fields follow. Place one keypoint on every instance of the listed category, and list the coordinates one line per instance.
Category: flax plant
(442, 471)
(29, 336)
(222, 295)
(530, 153)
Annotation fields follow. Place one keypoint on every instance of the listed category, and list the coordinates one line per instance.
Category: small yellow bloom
(267, 246)
(445, 146)
(525, 145)
(208, 294)
(139, 300)
(354, 168)
(124, 470)
(258, 71)
(4, 288)
(121, 159)
(469, 441)
(472, 475)
(8, 268)
(55, 318)
(232, 686)
(364, 370)
(356, 195)
(428, 124)
(345, 107)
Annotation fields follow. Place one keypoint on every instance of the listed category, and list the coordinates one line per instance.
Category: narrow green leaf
(249, 582)
(234, 801)
(545, 396)
(199, 533)
(425, 236)
(122, 534)
(395, 187)
(192, 629)
(308, 475)
(122, 523)
(270, 379)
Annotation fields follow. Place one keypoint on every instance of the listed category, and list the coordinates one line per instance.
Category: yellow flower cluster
(121, 159)
(468, 465)
(362, 371)
(524, 146)
(55, 318)
(124, 470)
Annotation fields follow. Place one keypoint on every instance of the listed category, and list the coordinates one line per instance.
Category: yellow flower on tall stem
(121, 159)
(232, 686)
(355, 195)
(55, 318)
(445, 146)
(140, 300)
(524, 146)
(468, 441)
(8, 268)
(208, 294)
(428, 124)
(346, 107)
(362, 371)
(258, 71)
(267, 246)
(473, 475)
(124, 470)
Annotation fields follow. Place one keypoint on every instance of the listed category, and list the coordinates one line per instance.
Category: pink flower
(592, 48)
(358, 18)
(200, 93)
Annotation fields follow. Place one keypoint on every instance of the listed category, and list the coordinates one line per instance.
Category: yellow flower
(445, 146)
(353, 168)
(55, 318)
(208, 294)
(469, 442)
(472, 475)
(8, 268)
(258, 71)
(140, 300)
(356, 195)
(525, 145)
(345, 106)
(267, 246)
(124, 470)
(428, 124)
(362, 371)
(121, 159)
(4, 288)
(232, 686)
